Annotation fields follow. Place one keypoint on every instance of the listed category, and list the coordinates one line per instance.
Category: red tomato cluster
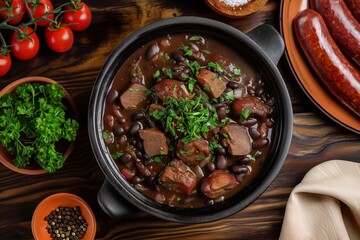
(24, 42)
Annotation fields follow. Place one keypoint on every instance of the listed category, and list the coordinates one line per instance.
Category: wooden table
(315, 138)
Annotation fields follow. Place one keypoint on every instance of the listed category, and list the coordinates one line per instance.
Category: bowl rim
(51, 200)
(112, 173)
(33, 79)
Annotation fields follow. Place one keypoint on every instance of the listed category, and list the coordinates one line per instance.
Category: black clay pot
(264, 46)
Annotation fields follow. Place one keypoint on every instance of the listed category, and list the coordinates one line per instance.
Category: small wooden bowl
(5, 158)
(236, 11)
(46, 206)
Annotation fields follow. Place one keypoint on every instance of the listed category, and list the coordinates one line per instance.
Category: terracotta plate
(307, 79)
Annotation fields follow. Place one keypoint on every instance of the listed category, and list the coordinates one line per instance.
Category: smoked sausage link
(354, 6)
(326, 59)
(342, 25)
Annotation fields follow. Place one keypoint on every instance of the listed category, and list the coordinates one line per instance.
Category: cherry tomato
(24, 48)
(39, 8)
(78, 16)
(5, 64)
(12, 8)
(59, 39)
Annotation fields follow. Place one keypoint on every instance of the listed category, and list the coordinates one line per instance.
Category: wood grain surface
(315, 138)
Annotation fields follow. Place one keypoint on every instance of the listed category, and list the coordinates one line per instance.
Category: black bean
(194, 47)
(139, 145)
(249, 122)
(259, 91)
(270, 102)
(221, 162)
(147, 162)
(210, 166)
(260, 143)
(135, 128)
(119, 131)
(245, 160)
(187, 70)
(239, 169)
(138, 116)
(178, 57)
(181, 76)
(150, 181)
(188, 200)
(139, 154)
(136, 180)
(239, 177)
(254, 133)
(112, 96)
(218, 105)
(125, 158)
(122, 140)
(233, 85)
(220, 150)
(152, 51)
(210, 202)
(221, 112)
(251, 90)
(133, 141)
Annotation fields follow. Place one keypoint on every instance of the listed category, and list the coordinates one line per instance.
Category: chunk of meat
(192, 153)
(171, 88)
(256, 107)
(178, 177)
(218, 183)
(211, 83)
(154, 142)
(133, 96)
(154, 107)
(237, 139)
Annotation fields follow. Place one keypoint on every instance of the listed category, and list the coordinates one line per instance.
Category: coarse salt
(235, 3)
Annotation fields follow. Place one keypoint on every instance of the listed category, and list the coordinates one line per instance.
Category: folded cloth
(325, 204)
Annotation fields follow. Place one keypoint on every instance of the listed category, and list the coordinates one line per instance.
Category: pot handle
(267, 37)
(113, 204)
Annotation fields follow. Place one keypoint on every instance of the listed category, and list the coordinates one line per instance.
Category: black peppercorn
(66, 223)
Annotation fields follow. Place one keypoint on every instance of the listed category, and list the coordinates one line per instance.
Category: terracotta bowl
(236, 11)
(66, 148)
(46, 206)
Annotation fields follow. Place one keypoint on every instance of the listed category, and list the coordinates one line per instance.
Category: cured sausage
(327, 61)
(354, 6)
(342, 25)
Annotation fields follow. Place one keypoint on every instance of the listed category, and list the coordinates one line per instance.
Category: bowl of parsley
(38, 125)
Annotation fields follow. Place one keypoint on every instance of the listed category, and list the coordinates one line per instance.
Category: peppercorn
(66, 223)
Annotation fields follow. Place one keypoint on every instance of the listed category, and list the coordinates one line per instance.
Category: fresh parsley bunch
(32, 120)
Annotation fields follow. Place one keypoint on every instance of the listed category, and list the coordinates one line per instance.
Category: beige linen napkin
(326, 204)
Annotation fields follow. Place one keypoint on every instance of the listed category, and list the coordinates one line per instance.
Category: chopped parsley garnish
(187, 50)
(168, 73)
(237, 71)
(105, 135)
(156, 74)
(157, 159)
(189, 117)
(195, 38)
(215, 66)
(206, 51)
(116, 155)
(166, 56)
(245, 114)
(195, 67)
(191, 84)
(230, 96)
